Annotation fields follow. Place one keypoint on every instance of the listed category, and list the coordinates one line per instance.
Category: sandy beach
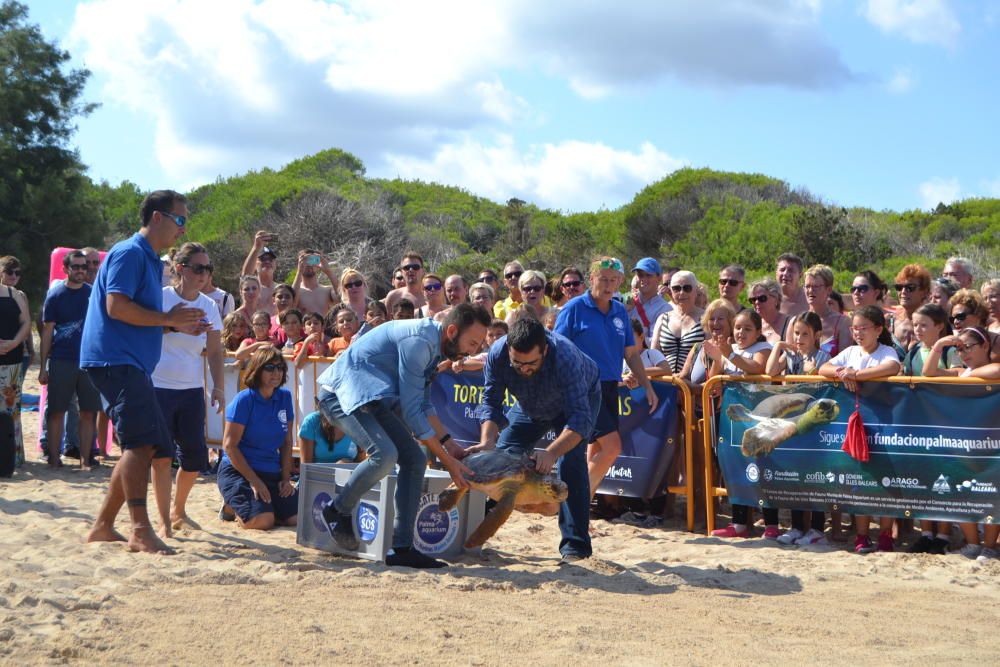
(648, 597)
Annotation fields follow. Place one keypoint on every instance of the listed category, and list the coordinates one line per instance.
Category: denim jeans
(388, 441)
(574, 514)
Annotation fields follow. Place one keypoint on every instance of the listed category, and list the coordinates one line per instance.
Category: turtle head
(555, 488)
(825, 409)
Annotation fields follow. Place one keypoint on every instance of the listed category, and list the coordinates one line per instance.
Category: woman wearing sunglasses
(354, 291)
(533, 301)
(968, 309)
(179, 379)
(15, 329)
(913, 287)
(677, 330)
(433, 296)
(765, 299)
(255, 476)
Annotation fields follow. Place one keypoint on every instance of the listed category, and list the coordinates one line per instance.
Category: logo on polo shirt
(282, 416)
(619, 324)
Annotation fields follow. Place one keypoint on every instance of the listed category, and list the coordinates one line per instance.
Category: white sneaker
(790, 536)
(812, 537)
(987, 554)
(971, 551)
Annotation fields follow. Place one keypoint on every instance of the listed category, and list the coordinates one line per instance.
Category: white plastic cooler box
(438, 534)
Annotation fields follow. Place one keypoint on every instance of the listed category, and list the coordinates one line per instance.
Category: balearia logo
(941, 485)
(972, 486)
(753, 472)
(902, 483)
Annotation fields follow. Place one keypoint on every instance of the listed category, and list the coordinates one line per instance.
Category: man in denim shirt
(378, 393)
(557, 387)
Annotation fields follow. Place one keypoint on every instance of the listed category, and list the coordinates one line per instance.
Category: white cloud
(901, 82)
(939, 191)
(571, 175)
(922, 21)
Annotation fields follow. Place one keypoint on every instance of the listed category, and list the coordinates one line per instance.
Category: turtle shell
(495, 465)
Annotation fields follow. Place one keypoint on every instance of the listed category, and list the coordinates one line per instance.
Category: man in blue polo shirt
(557, 388)
(599, 325)
(121, 343)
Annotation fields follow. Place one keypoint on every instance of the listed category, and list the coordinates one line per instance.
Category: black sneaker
(571, 558)
(922, 546)
(412, 558)
(939, 546)
(341, 527)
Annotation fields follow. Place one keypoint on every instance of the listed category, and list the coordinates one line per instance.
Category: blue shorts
(607, 418)
(238, 494)
(184, 412)
(129, 399)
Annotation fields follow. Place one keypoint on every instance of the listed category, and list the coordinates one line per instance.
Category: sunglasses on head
(758, 299)
(572, 283)
(908, 287)
(861, 289)
(12, 272)
(532, 288)
(732, 282)
(432, 287)
(199, 268)
(355, 283)
(682, 288)
(613, 264)
(270, 368)
(513, 275)
(411, 267)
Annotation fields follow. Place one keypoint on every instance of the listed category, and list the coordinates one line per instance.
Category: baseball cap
(267, 251)
(649, 265)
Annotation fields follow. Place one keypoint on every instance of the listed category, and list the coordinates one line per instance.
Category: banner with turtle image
(649, 441)
(934, 449)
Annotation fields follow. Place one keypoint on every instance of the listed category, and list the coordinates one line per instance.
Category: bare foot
(104, 534)
(183, 521)
(146, 541)
(165, 532)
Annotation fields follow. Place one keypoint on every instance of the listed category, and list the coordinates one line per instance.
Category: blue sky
(570, 104)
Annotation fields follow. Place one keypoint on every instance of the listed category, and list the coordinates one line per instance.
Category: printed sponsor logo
(753, 473)
(902, 483)
(972, 486)
(367, 519)
(321, 500)
(856, 479)
(819, 477)
(768, 474)
(434, 531)
(941, 485)
(619, 472)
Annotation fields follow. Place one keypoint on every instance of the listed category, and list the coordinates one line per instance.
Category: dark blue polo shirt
(131, 268)
(601, 336)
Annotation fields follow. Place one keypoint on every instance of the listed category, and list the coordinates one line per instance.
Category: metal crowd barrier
(708, 421)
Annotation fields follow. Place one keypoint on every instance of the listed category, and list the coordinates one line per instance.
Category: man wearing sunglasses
(732, 280)
(262, 261)
(412, 267)
(63, 315)
(311, 297)
(378, 393)
(122, 338)
(649, 305)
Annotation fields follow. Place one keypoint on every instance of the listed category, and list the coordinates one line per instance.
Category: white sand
(649, 597)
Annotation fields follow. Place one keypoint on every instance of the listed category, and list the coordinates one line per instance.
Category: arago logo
(367, 519)
(753, 473)
(321, 500)
(434, 531)
(902, 483)
(941, 485)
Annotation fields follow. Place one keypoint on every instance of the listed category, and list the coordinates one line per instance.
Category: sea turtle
(512, 481)
(774, 426)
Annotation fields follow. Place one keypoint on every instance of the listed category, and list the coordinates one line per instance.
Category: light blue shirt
(394, 362)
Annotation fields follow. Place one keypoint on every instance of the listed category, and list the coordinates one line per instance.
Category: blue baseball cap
(649, 265)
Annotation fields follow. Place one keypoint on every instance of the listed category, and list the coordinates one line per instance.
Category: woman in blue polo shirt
(599, 325)
(255, 473)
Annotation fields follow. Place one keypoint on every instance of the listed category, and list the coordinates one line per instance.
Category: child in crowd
(234, 331)
(346, 324)
(497, 330)
(312, 345)
(872, 357)
(549, 318)
(291, 326)
(972, 345)
(802, 356)
(653, 361)
(261, 325)
(404, 310)
(748, 357)
(930, 324)
(284, 299)
(375, 314)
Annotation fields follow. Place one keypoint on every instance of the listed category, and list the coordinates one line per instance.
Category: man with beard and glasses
(557, 388)
(378, 393)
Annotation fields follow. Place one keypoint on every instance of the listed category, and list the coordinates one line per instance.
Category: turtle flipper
(763, 438)
(496, 518)
(449, 498)
(739, 413)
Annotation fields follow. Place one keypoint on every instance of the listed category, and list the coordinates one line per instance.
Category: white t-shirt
(650, 359)
(180, 364)
(653, 309)
(855, 357)
(223, 300)
(759, 346)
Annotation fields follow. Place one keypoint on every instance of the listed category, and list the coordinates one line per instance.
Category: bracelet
(445, 438)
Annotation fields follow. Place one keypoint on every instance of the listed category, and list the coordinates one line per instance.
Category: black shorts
(67, 379)
(129, 400)
(607, 418)
(238, 494)
(184, 412)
